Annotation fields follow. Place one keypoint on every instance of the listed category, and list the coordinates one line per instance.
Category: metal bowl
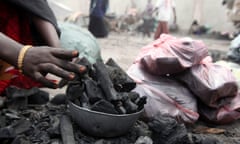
(100, 124)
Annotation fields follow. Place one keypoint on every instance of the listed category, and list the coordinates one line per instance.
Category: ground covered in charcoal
(42, 124)
(25, 122)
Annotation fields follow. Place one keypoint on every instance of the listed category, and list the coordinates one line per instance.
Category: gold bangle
(21, 56)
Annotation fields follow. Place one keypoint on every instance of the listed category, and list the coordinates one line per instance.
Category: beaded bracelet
(21, 57)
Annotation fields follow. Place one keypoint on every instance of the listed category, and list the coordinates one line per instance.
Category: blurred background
(209, 13)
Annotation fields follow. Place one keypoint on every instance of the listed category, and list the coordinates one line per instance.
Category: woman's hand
(41, 60)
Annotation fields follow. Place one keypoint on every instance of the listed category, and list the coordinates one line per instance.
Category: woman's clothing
(15, 23)
(39, 8)
(165, 9)
(97, 24)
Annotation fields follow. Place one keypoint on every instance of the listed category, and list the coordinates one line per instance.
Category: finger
(64, 82)
(70, 66)
(40, 78)
(51, 68)
(65, 54)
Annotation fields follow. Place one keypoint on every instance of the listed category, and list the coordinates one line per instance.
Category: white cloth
(165, 9)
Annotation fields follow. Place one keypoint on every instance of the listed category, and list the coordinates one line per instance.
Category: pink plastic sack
(164, 95)
(170, 55)
(224, 115)
(215, 85)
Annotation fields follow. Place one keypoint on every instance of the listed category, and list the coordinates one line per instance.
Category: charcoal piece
(12, 116)
(75, 90)
(119, 82)
(26, 96)
(84, 101)
(17, 103)
(128, 104)
(56, 141)
(42, 138)
(144, 140)
(7, 133)
(93, 92)
(3, 120)
(142, 129)
(77, 102)
(105, 81)
(15, 129)
(59, 99)
(2, 101)
(205, 139)
(166, 130)
(62, 83)
(14, 92)
(133, 96)
(21, 140)
(122, 82)
(21, 126)
(104, 106)
(141, 101)
(67, 130)
(39, 98)
(54, 129)
(119, 107)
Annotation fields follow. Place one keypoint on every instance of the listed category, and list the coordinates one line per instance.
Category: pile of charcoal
(51, 124)
(27, 117)
(105, 88)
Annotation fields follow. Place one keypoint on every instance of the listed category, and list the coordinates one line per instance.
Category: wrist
(21, 56)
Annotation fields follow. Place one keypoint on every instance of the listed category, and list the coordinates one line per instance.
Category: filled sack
(74, 37)
(170, 55)
(213, 84)
(164, 95)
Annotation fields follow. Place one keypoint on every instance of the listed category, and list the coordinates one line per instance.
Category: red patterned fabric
(15, 23)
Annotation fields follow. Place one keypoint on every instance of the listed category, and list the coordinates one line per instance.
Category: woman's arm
(9, 49)
(40, 60)
(47, 32)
